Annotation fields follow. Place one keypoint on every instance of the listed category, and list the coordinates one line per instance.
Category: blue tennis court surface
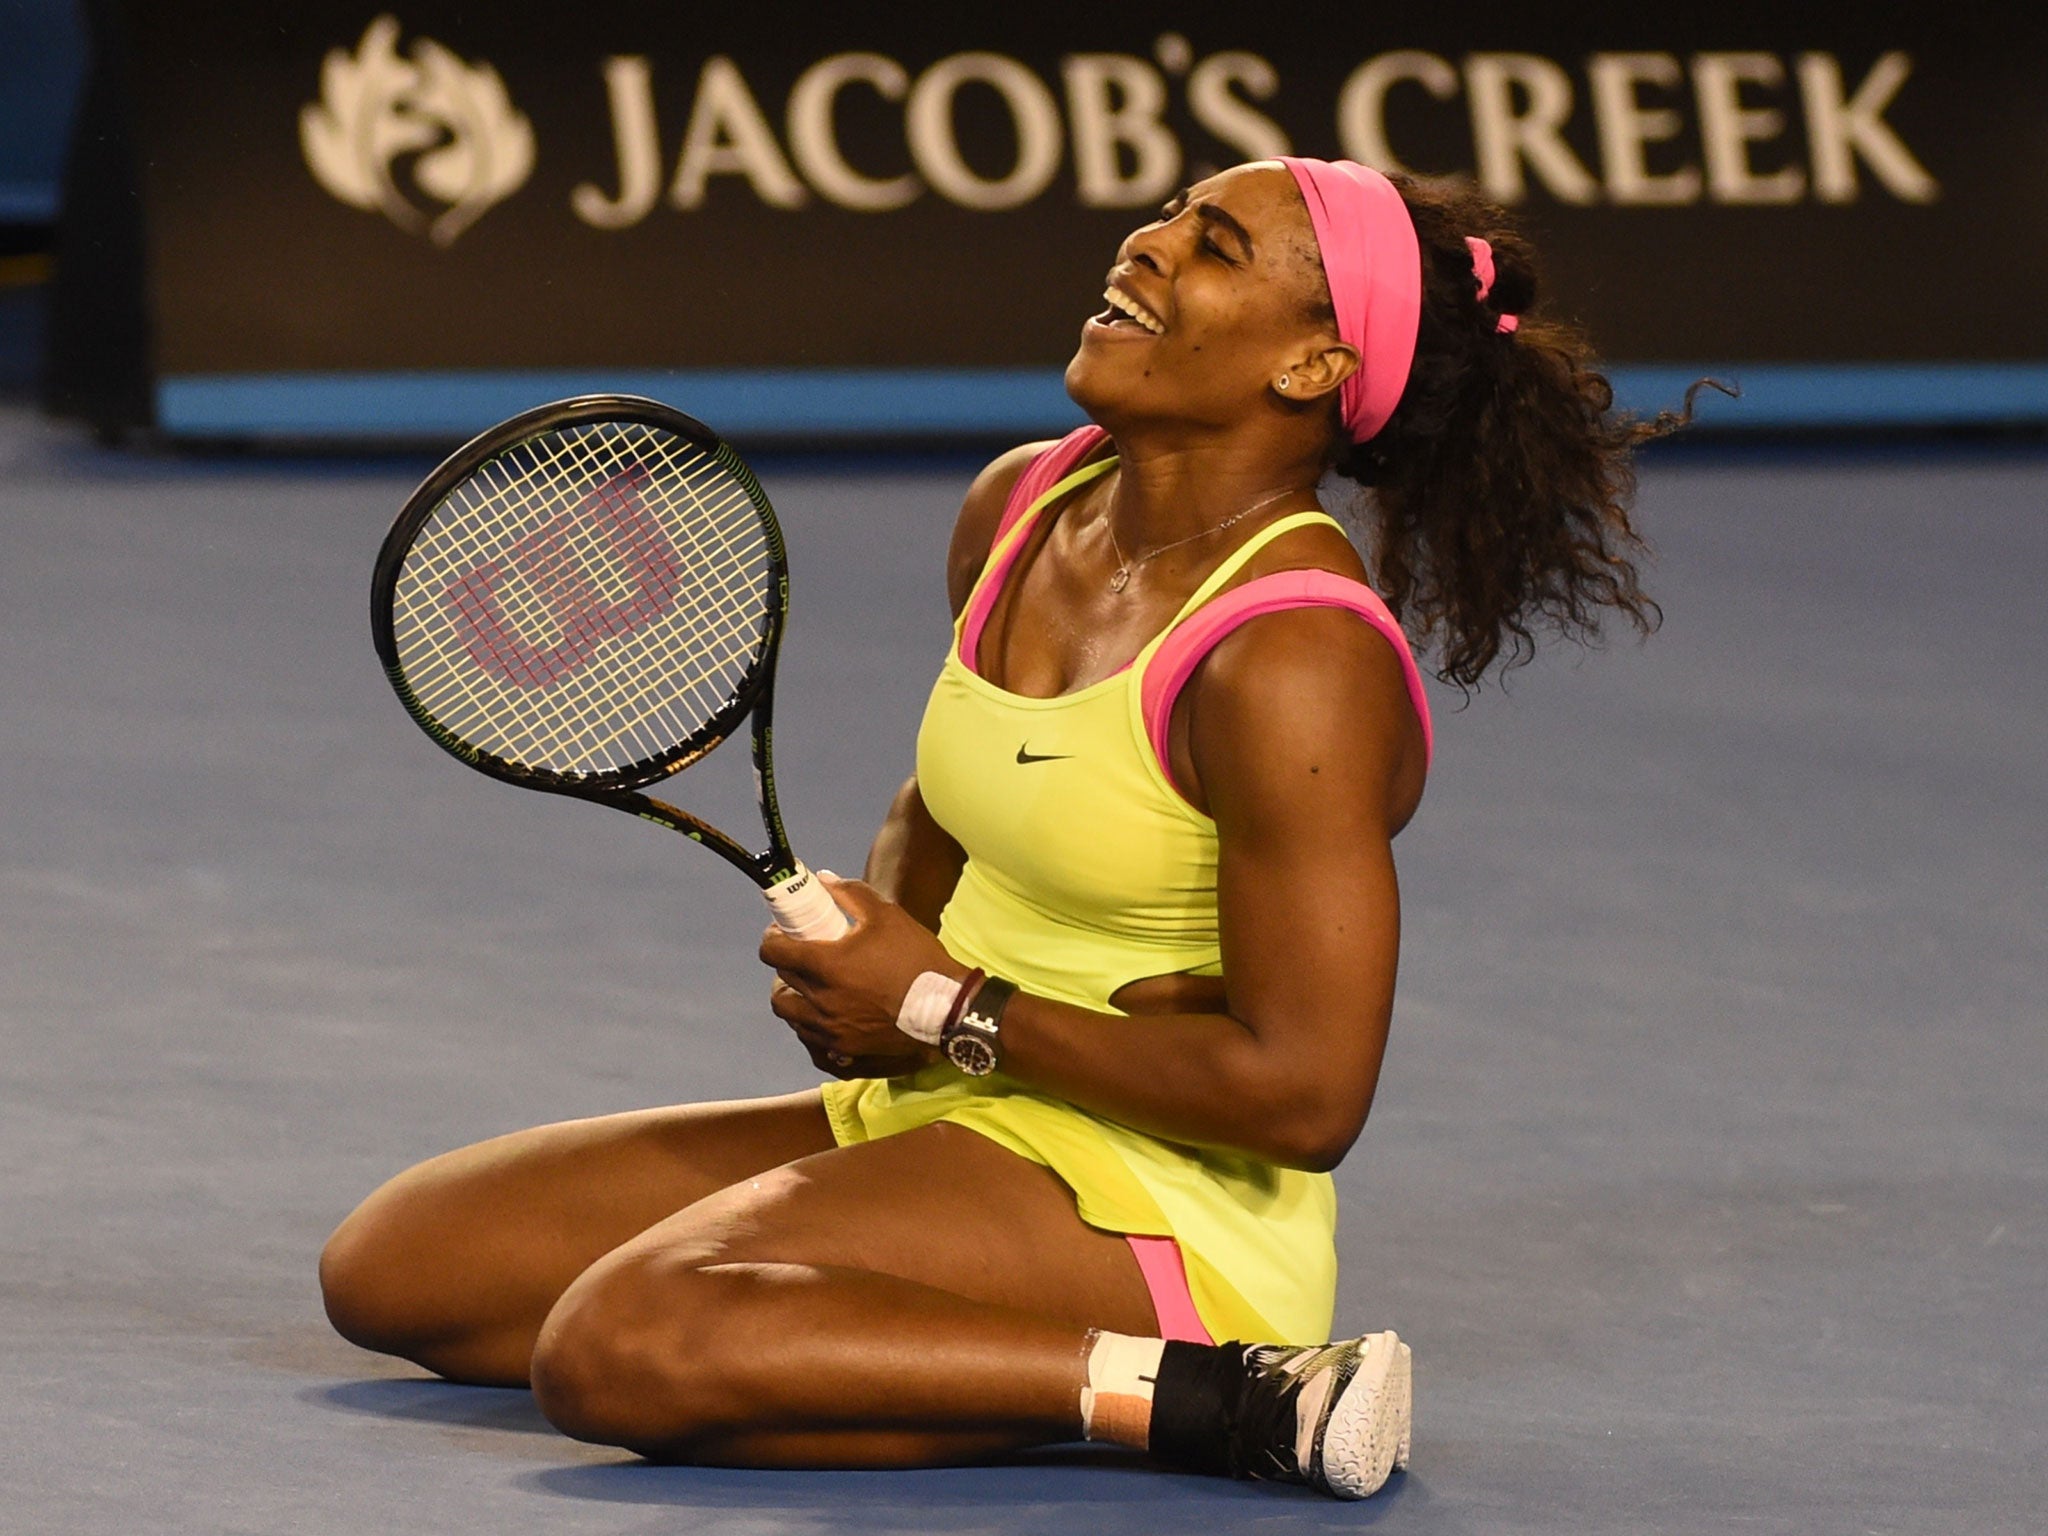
(1708, 1177)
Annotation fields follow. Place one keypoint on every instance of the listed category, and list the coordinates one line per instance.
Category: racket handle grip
(804, 909)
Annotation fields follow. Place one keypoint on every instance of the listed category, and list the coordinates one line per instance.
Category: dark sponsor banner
(351, 190)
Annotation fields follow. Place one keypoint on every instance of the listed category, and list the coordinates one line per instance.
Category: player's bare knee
(626, 1358)
(649, 1348)
(375, 1278)
(568, 1377)
(357, 1285)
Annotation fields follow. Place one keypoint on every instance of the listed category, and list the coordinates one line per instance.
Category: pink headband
(1482, 268)
(1373, 263)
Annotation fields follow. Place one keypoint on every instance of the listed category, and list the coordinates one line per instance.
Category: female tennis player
(1122, 966)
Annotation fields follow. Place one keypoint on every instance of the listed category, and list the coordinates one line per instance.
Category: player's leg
(924, 1298)
(455, 1263)
(931, 1298)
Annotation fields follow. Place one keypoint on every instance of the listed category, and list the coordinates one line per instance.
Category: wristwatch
(970, 1039)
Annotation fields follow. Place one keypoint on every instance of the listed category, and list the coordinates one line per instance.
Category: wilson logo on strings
(558, 576)
(429, 141)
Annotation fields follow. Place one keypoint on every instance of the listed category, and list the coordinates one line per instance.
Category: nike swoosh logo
(1026, 756)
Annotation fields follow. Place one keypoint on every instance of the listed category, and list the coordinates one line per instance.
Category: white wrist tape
(926, 1005)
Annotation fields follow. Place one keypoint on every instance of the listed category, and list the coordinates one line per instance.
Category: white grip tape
(925, 1006)
(804, 909)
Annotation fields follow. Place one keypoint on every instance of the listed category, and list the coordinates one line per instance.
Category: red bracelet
(969, 985)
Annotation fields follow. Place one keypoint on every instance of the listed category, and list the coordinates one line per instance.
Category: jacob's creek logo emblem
(429, 141)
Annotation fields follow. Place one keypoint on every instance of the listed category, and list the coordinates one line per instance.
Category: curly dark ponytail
(1501, 484)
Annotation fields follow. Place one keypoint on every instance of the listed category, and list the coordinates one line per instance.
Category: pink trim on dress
(1197, 635)
(1047, 471)
(1040, 476)
(1166, 1277)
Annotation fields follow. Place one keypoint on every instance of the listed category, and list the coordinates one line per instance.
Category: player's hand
(788, 1005)
(841, 996)
(820, 1043)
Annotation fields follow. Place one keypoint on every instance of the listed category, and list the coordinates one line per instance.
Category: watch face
(971, 1054)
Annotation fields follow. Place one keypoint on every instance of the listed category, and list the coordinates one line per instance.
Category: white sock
(1116, 1405)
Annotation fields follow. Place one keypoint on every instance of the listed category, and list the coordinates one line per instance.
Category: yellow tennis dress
(1087, 870)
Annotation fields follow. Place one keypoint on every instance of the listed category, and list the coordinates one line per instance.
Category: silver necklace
(1122, 576)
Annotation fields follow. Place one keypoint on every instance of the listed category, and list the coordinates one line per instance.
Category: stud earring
(1283, 381)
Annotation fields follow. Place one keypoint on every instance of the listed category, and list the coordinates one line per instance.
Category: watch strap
(985, 1009)
(973, 1036)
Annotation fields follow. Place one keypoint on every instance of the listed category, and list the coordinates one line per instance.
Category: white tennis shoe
(1334, 1416)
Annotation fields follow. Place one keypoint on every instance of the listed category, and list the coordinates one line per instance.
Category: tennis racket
(588, 598)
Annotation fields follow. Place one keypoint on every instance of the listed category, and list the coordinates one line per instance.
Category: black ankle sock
(1194, 1405)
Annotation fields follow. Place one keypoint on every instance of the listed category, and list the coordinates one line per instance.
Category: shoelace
(1262, 1442)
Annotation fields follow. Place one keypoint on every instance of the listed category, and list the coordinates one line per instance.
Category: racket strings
(633, 674)
(723, 632)
(573, 739)
(587, 600)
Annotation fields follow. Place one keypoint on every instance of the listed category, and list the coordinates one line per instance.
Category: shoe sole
(1370, 1428)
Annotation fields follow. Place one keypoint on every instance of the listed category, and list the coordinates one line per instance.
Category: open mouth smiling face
(1126, 314)
(1202, 242)
(1206, 302)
